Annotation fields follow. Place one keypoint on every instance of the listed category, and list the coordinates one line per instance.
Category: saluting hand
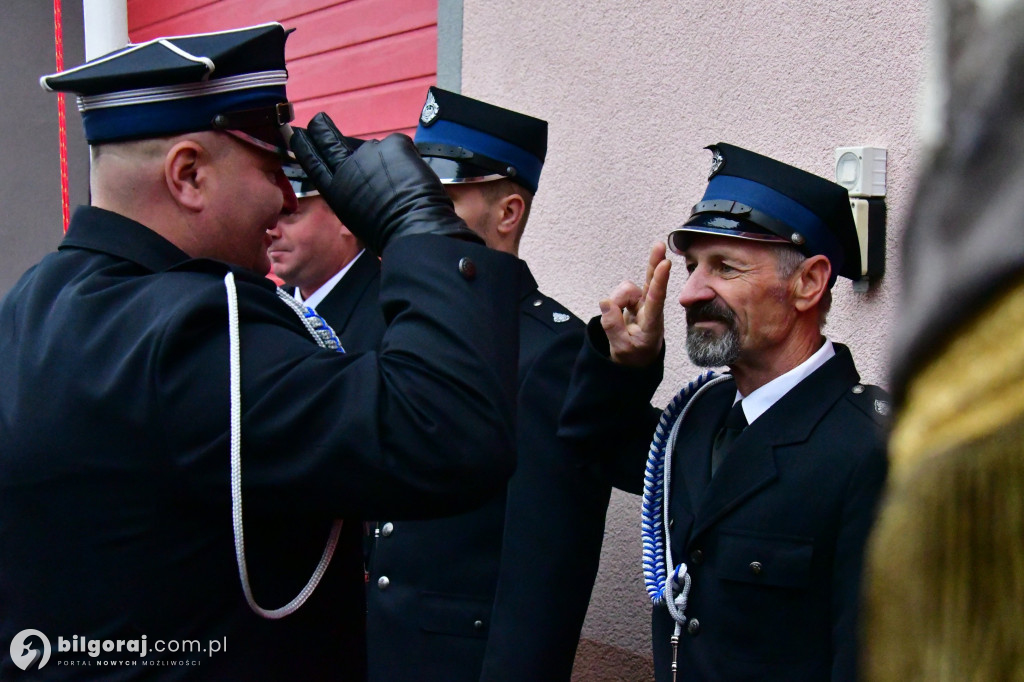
(634, 318)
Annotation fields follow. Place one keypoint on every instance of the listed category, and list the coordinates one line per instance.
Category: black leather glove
(380, 190)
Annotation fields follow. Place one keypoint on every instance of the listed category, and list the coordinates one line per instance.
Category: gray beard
(708, 350)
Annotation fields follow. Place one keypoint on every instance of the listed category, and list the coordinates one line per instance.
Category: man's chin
(706, 348)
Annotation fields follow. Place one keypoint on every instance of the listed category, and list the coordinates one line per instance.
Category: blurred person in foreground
(154, 380)
(945, 575)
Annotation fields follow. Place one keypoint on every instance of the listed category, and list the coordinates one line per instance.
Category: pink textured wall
(633, 91)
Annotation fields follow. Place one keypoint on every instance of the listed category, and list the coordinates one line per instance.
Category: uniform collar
(100, 230)
(527, 284)
(320, 294)
(759, 400)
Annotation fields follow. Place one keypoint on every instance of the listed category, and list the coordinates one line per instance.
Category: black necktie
(735, 422)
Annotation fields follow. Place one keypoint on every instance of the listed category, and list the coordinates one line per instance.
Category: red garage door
(367, 63)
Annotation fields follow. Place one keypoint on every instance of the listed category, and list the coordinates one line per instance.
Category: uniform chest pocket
(452, 614)
(761, 560)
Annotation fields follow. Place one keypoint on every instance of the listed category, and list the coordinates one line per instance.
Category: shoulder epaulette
(550, 313)
(873, 401)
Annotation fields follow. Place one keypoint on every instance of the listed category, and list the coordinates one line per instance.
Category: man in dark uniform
(154, 380)
(774, 470)
(499, 593)
(327, 267)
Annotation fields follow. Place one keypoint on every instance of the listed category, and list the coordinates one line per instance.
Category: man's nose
(695, 289)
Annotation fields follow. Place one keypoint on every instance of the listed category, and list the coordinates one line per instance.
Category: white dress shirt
(758, 402)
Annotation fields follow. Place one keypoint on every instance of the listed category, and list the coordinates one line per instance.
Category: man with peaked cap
(154, 381)
(775, 467)
(327, 268)
(501, 592)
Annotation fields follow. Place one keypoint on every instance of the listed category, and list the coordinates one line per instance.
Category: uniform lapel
(693, 448)
(339, 305)
(751, 464)
(749, 467)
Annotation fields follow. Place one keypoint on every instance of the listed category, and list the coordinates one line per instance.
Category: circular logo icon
(30, 649)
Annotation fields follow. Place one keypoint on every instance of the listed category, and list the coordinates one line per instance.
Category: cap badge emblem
(716, 163)
(430, 110)
(559, 317)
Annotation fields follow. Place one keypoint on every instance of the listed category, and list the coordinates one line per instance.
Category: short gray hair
(787, 261)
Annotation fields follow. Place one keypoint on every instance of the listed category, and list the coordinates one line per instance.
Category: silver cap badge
(559, 317)
(716, 163)
(882, 407)
(430, 110)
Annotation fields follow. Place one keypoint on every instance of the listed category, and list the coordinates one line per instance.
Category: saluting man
(499, 593)
(154, 380)
(775, 468)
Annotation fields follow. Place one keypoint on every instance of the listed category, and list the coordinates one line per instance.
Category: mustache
(709, 311)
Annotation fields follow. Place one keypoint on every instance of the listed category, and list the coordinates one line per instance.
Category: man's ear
(810, 282)
(185, 166)
(513, 209)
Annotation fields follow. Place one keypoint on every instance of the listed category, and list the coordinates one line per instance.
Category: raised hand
(634, 319)
(381, 190)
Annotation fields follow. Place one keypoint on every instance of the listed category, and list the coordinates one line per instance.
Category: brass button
(383, 582)
(697, 557)
(467, 268)
(755, 567)
(693, 627)
(387, 529)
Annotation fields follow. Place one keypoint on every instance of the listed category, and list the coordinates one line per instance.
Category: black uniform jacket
(499, 593)
(774, 543)
(115, 510)
(352, 309)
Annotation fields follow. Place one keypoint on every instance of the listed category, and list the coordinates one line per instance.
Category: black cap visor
(261, 127)
(720, 226)
(300, 182)
(454, 172)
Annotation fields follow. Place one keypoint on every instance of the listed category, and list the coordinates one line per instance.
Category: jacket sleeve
(859, 509)
(554, 526)
(608, 413)
(423, 427)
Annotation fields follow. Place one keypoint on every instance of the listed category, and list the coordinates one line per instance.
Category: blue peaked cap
(750, 196)
(466, 140)
(230, 80)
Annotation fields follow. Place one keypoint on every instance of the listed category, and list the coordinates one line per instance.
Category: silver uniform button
(858, 388)
(755, 567)
(478, 625)
(387, 529)
(538, 303)
(693, 627)
(383, 582)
